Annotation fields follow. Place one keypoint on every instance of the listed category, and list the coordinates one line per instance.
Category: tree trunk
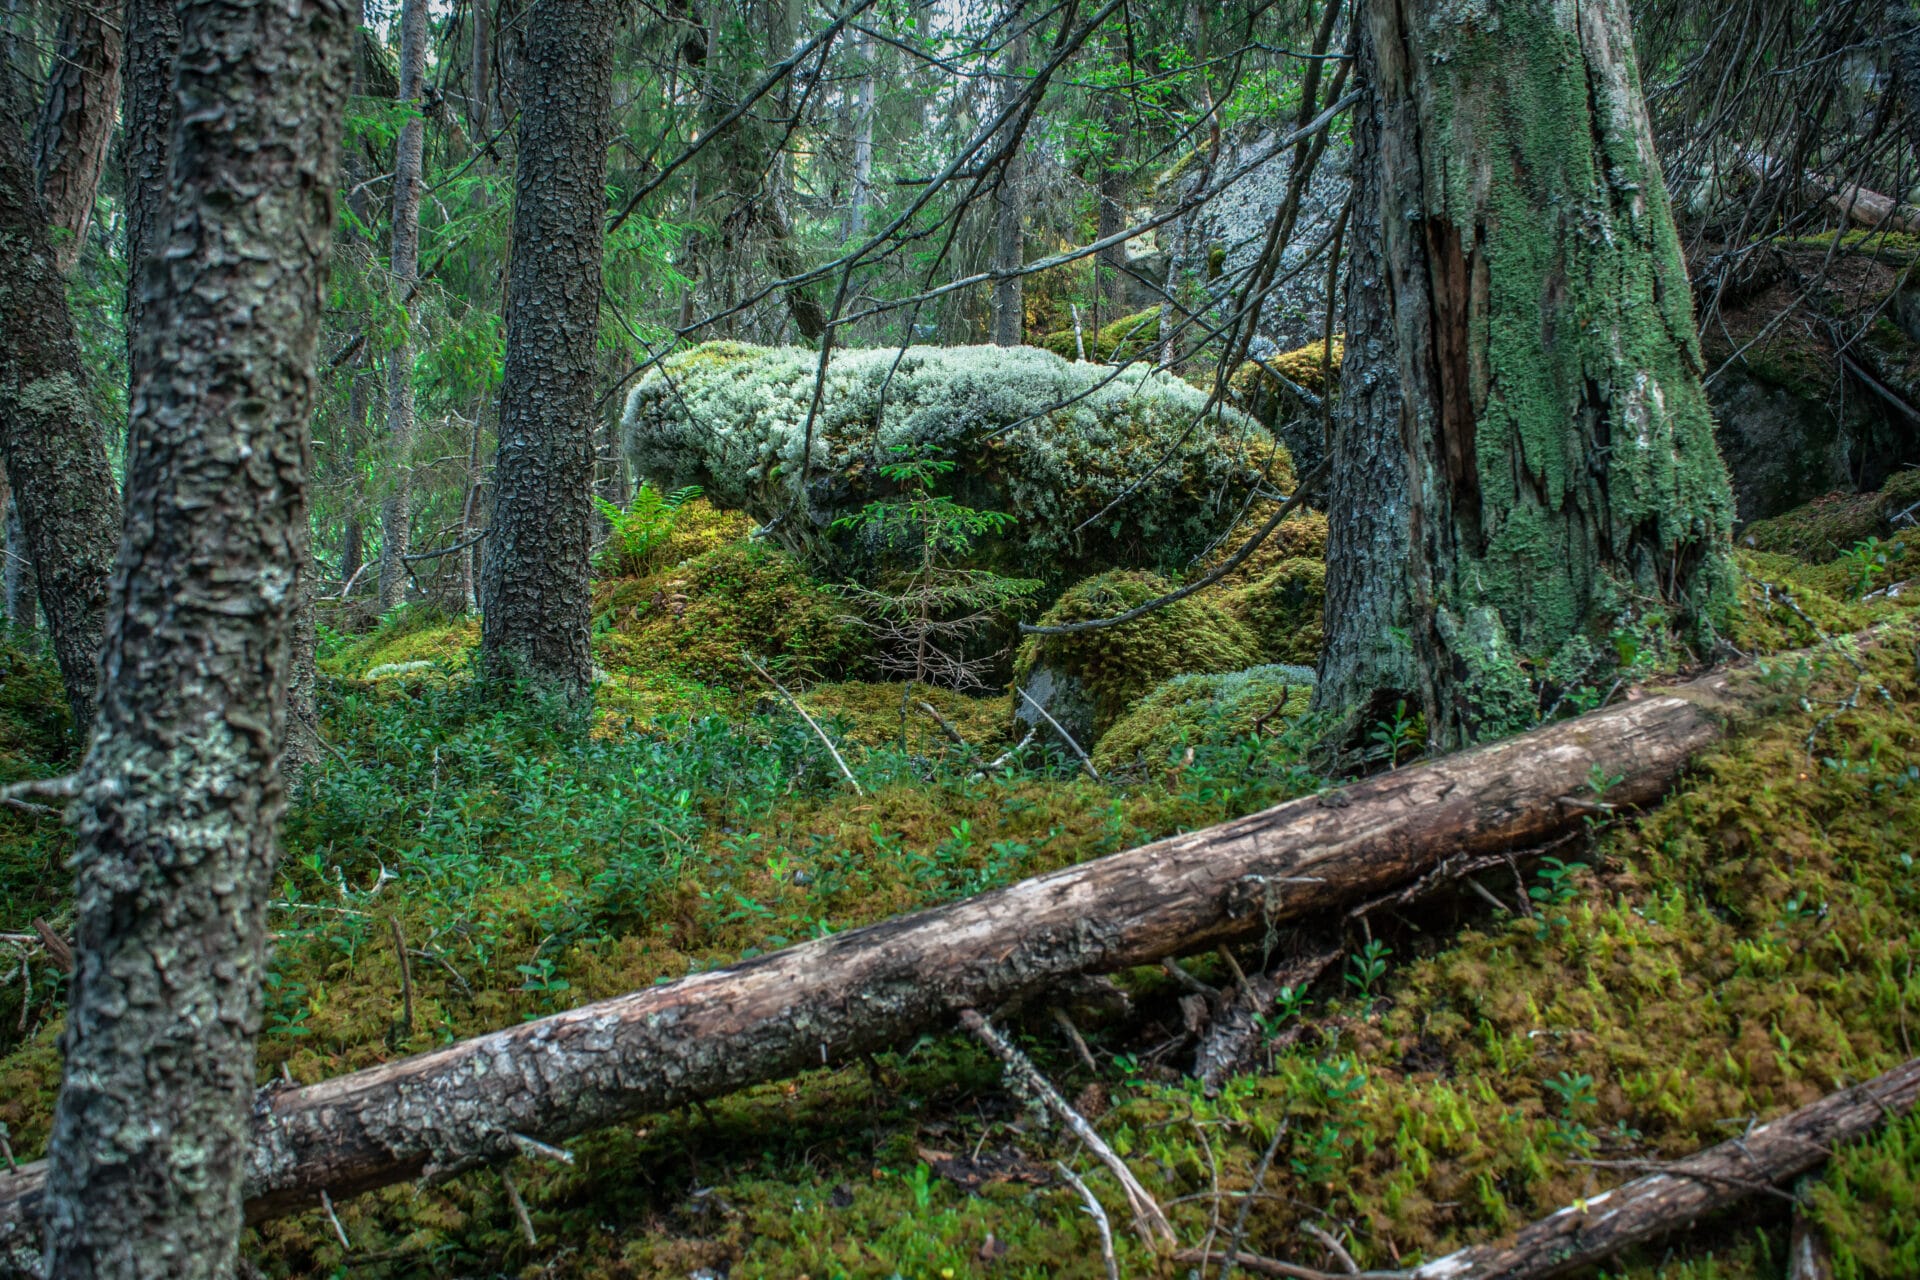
(396, 526)
(536, 593)
(1009, 218)
(862, 195)
(152, 41)
(832, 999)
(50, 439)
(21, 592)
(76, 124)
(180, 794)
(1562, 475)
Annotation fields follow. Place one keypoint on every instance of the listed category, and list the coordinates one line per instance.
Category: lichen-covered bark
(396, 524)
(180, 793)
(536, 594)
(50, 438)
(152, 41)
(1562, 466)
(76, 123)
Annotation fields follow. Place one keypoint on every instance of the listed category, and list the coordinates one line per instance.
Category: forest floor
(453, 865)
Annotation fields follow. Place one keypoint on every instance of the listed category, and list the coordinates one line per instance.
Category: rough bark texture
(535, 596)
(180, 794)
(1600, 1226)
(831, 1000)
(21, 592)
(50, 440)
(396, 521)
(152, 40)
(1562, 470)
(1009, 219)
(1367, 659)
(76, 124)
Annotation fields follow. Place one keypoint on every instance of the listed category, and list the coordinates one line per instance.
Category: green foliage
(1203, 713)
(634, 534)
(1868, 1202)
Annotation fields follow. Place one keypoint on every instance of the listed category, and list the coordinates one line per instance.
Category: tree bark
(50, 438)
(396, 525)
(835, 998)
(21, 594)
(1009, 218)
(152, 42)
(536, 593)
(76, 124)
(181, 792)
(863, 111)
(1561, 465)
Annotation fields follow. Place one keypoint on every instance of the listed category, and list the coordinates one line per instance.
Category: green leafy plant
(1555, 889)
(1398, 736)
(1369, 966)
(634, 533)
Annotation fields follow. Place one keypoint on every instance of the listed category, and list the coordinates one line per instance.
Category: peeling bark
(50, 439)
(180, 794)
(536, 593)
(833, 999)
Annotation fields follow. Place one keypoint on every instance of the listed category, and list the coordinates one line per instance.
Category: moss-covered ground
(1743, 948)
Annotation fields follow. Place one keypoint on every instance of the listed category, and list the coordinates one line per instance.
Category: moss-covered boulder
(1265, 388)
(695, 619)
(1204, 710)
(1129, 338)
(1283, 609)
(1086, 680)
(1829, 526)
(1052, 443)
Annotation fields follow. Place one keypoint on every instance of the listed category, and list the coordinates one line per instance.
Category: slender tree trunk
(396, 524)
(180, 794)
(76, 124)
(536, 594)
(152, 33)
(480, 74)
(1561, 471)
(50, 439)
(1110, 298)
(1009, 220)
(862, 195)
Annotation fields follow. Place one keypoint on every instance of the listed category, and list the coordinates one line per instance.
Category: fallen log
(833, 999)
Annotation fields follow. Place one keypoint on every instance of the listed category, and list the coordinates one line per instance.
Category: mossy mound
(1302, 534)
(1129, 338)
(410, 641)
(1195, 711)
(1284, 609)
(1869, 1198)
(1827, 527)
(1306, 366)
(698, 527)
(869, 713)
(694, 619)
(1051, 443)
(1091, 677)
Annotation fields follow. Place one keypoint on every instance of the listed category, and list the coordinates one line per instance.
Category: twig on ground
(1085, 762)
(58, 949)
(953, 734)
(46, 788)
(519, 1206)
(535, 1147)
(340, 1232)
(1148, 1220)
(811, 723)
(1074, 1038)
(1239, 1236)
(1333, 1246)
(406, 975)
(1099, 1220)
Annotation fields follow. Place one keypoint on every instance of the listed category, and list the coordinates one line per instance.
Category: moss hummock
(1192, 712)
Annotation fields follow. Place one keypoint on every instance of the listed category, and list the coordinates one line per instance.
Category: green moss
(1284, 609)
(1133, 337)
(1193, 712)
(695, 619)
(1868, 1202)
(1828, 526)
(870, 713)
(411, 635)
(1118, 665)
(1306, 366)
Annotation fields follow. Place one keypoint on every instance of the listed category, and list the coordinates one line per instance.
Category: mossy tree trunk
(1521, 342)
(180, 794)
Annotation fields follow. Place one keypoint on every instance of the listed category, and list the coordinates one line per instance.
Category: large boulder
(1052, 443)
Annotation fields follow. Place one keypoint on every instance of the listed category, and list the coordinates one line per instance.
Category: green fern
(638, 531)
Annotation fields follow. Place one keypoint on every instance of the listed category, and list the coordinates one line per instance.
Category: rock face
(1056, 445)
(1216, 248)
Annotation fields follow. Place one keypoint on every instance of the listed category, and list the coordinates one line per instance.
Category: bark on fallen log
(833, 999)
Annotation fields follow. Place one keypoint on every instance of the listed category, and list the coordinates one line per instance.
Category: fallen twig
(1085, 762)
(811, 723)
(1099, 1216)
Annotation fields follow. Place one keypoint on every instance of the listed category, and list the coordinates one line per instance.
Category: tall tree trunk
(50, 439)
(180, 794)
(1110, 265)
(862, 195)
(76, 124)
(536, 594)
(152, 34)
(1561, 471)
(396, 524)
(1009, 218)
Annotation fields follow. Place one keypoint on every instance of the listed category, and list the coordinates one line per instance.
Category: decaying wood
(831, 999)
(1231, 1041)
